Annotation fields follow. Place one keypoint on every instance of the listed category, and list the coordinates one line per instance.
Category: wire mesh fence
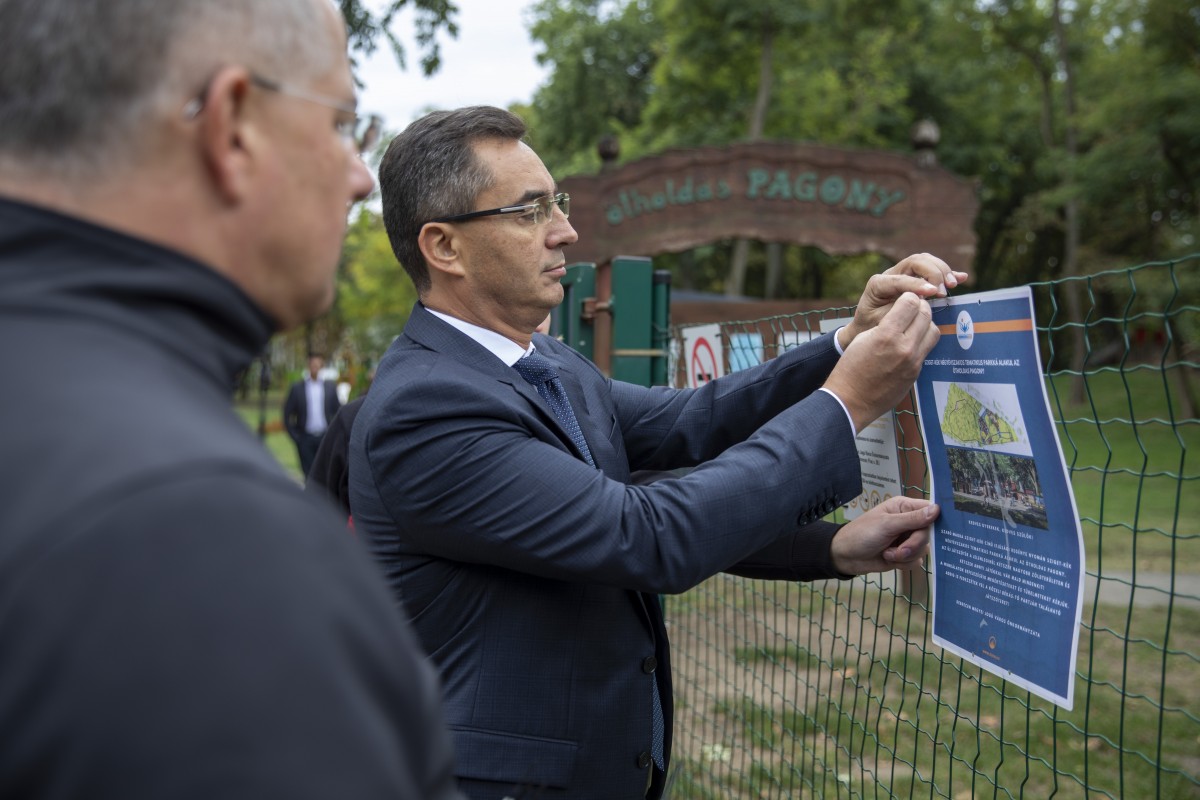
(835, 689)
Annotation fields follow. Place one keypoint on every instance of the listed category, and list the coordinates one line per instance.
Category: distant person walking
(309, 408)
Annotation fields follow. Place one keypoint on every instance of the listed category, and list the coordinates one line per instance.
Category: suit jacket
(295, 407)
(329, 474)
(531, 577)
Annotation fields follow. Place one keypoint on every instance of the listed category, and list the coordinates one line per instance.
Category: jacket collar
(428, 331)
(56, 264)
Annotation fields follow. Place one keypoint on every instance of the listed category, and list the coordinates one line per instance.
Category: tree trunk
(1071, 212)
(774, 270)
(687, 269)
(736, 283)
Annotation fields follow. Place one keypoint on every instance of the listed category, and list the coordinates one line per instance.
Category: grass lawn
(858, 704)
(277, 440)
(1137, 490)
(802, 691)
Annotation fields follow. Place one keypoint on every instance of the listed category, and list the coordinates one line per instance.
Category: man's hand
(879, 368)
(892, 535)
(922, 274)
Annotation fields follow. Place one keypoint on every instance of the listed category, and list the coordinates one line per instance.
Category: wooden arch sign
(842, 200)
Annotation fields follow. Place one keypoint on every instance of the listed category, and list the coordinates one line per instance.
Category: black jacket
(330, 472)
(177, 619)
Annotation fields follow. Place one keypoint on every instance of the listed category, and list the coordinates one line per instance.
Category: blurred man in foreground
(176, 617)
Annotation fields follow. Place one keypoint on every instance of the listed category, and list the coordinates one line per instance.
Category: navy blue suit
(531, 577)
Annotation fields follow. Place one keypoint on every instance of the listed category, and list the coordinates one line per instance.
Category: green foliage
(1143, 163)
(365, 27)
(602, 54)
(375, 295)
(679, 73)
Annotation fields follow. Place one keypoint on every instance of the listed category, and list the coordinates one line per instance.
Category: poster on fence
(745, 351)
(788, 338)
(878, 456)
(703, 355)
(1007, 548)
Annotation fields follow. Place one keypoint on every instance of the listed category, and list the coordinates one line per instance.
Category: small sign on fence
(704, 357)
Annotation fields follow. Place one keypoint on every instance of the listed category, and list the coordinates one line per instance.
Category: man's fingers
(904, 313)
(883, 289)
(897, 560)
(900, 521)
(903, 503)
(913, 535)
(931, 336)
(935, 272)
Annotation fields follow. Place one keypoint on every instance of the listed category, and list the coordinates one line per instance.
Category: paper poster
(704, 360)
(745, 350)
(878, 456)
(1007, 550)
(787, 339)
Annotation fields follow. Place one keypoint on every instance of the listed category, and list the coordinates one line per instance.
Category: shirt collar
(501, 347)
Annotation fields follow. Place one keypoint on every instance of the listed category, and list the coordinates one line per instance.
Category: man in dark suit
(490, 473)
(310, 406)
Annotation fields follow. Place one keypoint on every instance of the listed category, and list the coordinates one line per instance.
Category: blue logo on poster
(965, 329)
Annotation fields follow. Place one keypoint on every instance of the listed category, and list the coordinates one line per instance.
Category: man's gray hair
(81, 81)
(430, 171)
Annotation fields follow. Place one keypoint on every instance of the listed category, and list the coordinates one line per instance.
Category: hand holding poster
(1007, 547)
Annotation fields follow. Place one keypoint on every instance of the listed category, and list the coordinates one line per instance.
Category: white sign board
(703, 358)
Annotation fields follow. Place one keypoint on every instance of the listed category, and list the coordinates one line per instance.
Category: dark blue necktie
(541, 373)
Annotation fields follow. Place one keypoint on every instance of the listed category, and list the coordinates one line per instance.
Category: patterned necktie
(541, 373)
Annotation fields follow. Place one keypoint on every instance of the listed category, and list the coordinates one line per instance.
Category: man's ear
(227, 133)
(440, 246)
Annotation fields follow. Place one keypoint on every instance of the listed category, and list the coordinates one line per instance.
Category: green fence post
(660, 319)
(574, 318)
(631, 306)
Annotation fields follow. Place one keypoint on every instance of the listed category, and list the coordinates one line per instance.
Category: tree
(1079, 118)
(601, 54)
(365, 27)
(375, 295)
(764, 23)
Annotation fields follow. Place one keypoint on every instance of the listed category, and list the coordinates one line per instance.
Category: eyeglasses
(348, 125)
(539, 211)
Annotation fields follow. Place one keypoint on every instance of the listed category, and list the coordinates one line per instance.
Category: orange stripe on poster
(999, 326)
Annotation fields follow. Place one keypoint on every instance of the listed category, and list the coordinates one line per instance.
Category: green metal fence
(835, 689)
